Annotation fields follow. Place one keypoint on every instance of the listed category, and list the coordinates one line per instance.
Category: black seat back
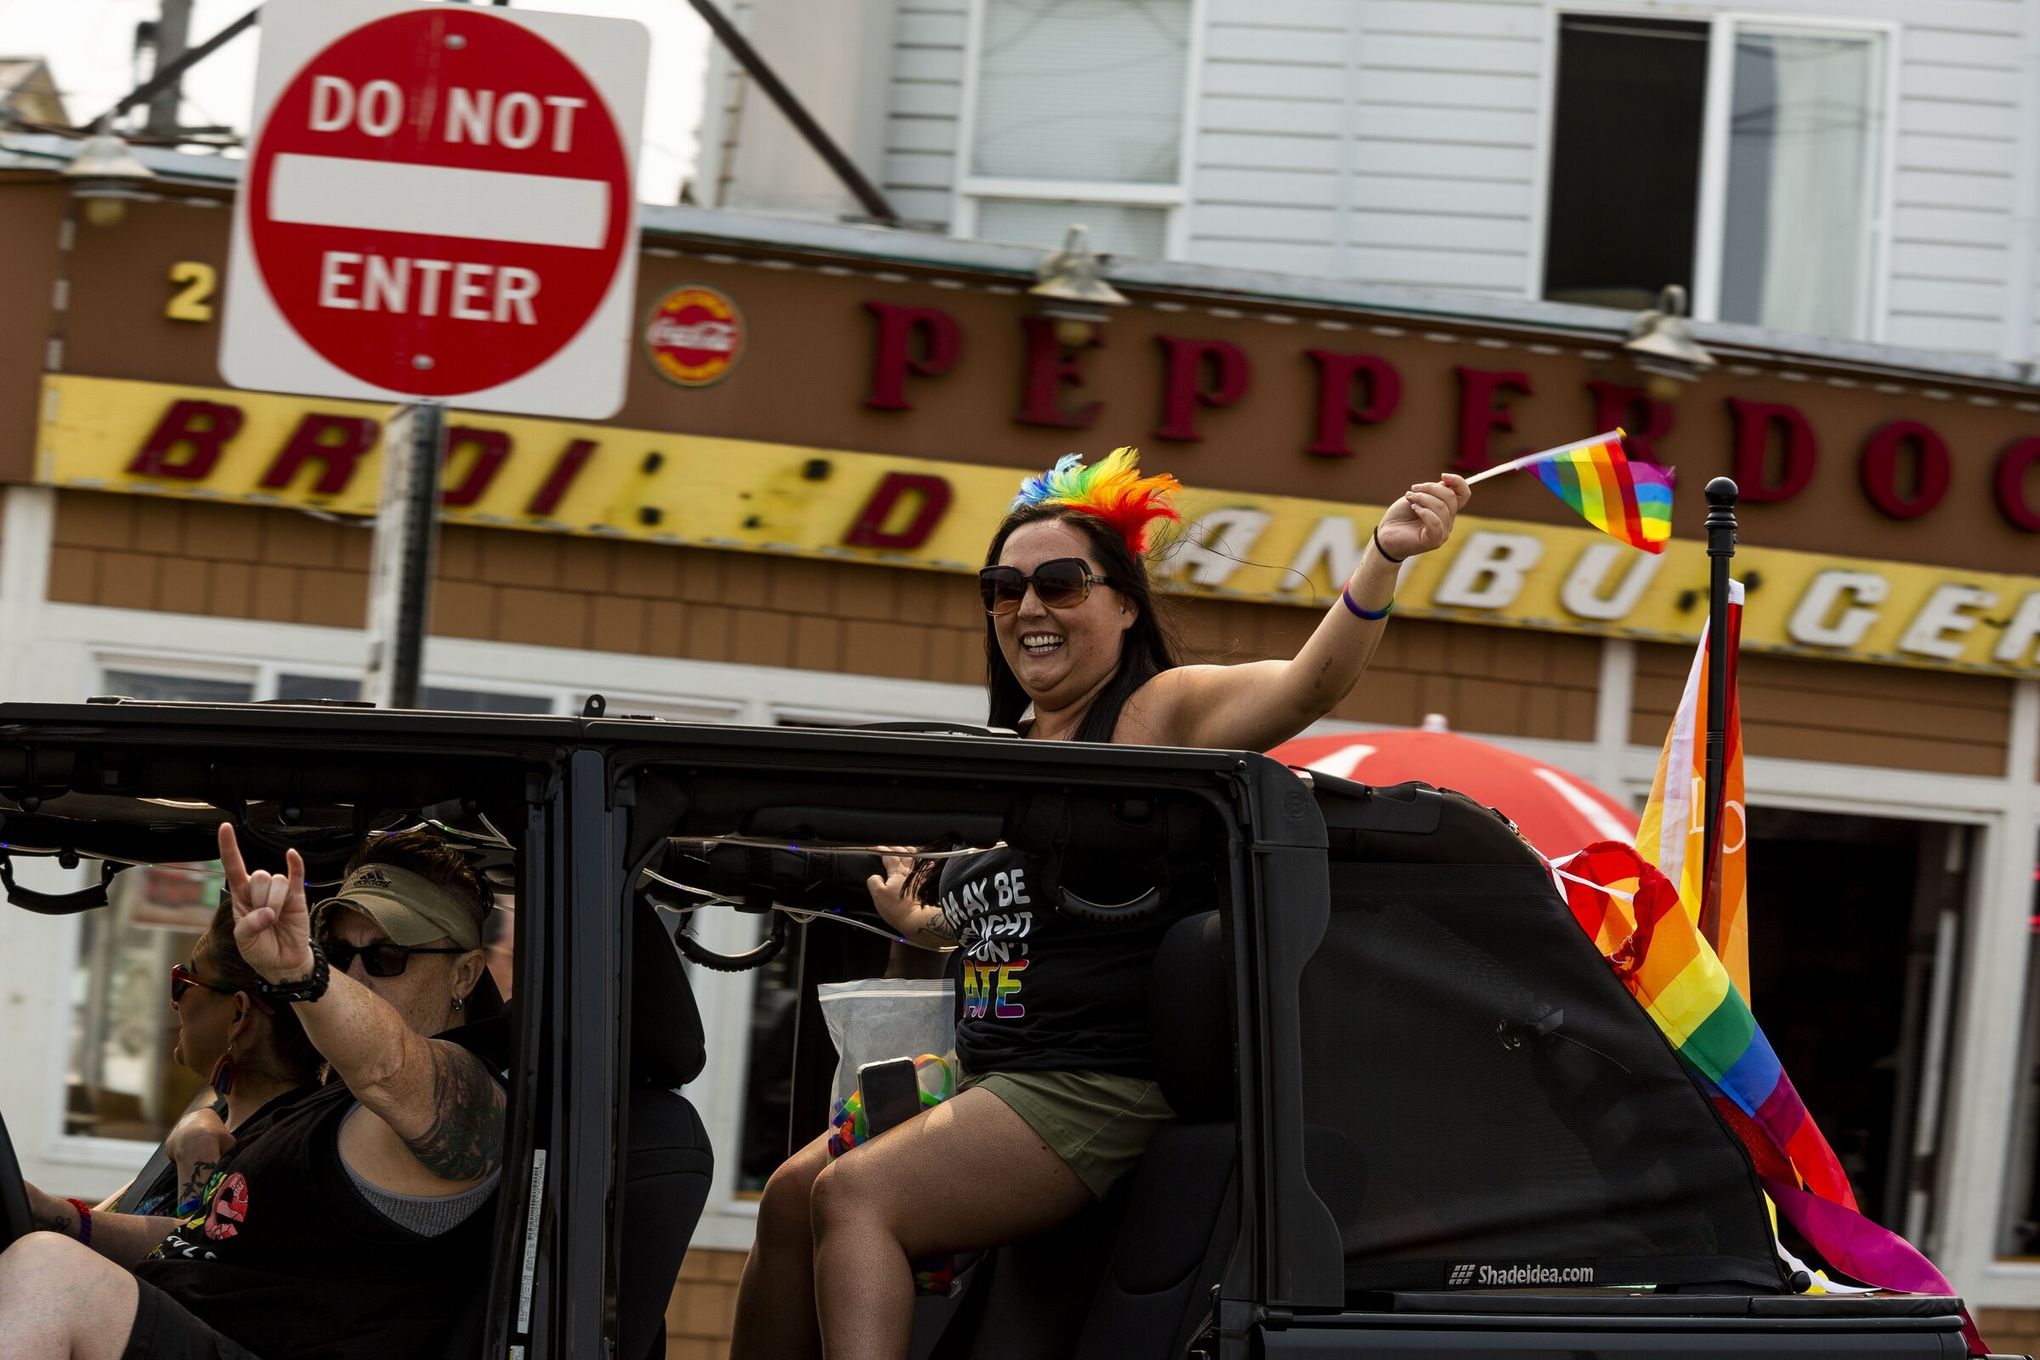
(1182, 1201)
(667, 1164)
(1131, 1277)
(666, 1171)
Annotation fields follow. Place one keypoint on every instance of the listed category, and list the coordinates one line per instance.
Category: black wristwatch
(310, 987)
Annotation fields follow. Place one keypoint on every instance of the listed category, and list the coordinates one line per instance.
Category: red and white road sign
(438, 203)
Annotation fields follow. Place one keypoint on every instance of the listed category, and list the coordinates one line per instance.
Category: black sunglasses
(381, 959)
(1062, 583)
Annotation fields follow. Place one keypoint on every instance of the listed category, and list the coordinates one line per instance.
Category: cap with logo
(410, 908)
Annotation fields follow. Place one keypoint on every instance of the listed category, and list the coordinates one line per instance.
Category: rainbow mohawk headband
(1112, 489)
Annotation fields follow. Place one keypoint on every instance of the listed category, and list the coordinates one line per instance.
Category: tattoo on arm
(937, 927)
(464, 1140)
(58, 1220)
(194, 1184)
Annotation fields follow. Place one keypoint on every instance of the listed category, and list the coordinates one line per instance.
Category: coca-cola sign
(695, 336)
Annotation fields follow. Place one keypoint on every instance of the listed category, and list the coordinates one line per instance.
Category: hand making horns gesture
(272, 924)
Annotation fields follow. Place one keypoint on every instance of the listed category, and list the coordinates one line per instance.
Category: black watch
(310, 987)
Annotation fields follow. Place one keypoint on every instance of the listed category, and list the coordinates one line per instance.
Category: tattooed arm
(432, 1114)
(895, 893)
(121, 1238)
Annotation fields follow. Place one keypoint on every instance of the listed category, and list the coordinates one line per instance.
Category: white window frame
(1710, 226)
(972, 189)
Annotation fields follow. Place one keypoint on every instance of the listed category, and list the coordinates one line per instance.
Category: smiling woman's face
(1060, 655)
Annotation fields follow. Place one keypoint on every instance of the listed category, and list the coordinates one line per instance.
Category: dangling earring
(222, 1078)
(458, 1003)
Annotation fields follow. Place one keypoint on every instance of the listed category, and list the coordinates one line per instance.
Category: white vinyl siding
(1405, 129)
(1953, 175)
(923, 104)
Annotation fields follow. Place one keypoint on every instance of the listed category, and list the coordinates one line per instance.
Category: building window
(1078, 117)
(2019, 1234)
(1739, 160)
(123, 1079)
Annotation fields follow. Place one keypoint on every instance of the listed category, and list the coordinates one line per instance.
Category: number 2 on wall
(195, 281)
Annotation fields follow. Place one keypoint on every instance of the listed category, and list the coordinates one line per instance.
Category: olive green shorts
(1097, 1122)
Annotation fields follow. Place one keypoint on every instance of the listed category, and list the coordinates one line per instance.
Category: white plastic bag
(881, 1019)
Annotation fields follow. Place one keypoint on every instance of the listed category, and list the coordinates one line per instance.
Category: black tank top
(1041, 991)
(286, 1257)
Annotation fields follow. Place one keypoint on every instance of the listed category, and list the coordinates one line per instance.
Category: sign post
(406, 546)
(438, 206)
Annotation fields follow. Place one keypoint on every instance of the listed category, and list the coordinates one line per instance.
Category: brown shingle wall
(704, 1303)
(2010, 1331)
(1506, 681)
(1845, 712)
(656, 600)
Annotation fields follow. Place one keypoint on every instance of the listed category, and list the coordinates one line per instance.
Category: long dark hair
(289, 1045)
(1147, 648)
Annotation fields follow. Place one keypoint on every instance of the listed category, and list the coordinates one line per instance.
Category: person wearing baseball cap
(377, 1186)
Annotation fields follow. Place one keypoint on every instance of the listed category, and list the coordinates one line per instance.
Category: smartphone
(891, 1091)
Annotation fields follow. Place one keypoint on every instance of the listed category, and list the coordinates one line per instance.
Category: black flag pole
(1721, 498)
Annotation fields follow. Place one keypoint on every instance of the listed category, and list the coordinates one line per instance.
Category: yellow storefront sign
(549, 476)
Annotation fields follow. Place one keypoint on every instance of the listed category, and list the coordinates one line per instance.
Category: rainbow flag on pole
(1615, 894)
(1672, 831)
(1631, 501)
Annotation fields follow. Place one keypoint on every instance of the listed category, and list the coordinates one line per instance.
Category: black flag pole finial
(1722, 494)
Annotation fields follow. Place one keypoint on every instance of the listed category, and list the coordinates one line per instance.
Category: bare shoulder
(451, 1137)
(1156, 713)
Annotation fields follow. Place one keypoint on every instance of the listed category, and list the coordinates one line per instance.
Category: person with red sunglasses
(1059, 1096)
(377, 1183)
(254, 1059)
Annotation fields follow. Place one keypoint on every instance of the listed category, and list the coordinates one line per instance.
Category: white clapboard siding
(924, 102)
(1252, 187)
(1955, 333)
(1954, 183)
(1947, 298)
(1268, 151)
(1936, 261)
(1312, 261)
(1969, 191)
(1957, 154)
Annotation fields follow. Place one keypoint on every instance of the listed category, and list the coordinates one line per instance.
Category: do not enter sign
(439, 204)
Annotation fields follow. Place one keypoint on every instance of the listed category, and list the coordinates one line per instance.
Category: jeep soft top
(1417, 1114)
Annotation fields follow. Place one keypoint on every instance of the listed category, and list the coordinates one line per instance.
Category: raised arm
(1260, 704)
(439, 1111)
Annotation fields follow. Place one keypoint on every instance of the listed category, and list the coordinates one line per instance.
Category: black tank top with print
(1041, 991)
(285, 1256)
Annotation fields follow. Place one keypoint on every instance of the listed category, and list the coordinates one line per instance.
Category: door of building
(1855, 932)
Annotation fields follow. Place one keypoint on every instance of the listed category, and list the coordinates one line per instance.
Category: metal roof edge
(926, 250)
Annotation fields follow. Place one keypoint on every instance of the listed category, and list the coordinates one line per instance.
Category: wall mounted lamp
(1072, 292)
(1662, 346)
(105, 175)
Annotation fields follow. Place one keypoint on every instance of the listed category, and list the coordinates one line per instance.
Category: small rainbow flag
(1631, 501)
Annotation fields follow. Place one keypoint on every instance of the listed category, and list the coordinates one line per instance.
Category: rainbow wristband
(84, 1220)
(1371, 615)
